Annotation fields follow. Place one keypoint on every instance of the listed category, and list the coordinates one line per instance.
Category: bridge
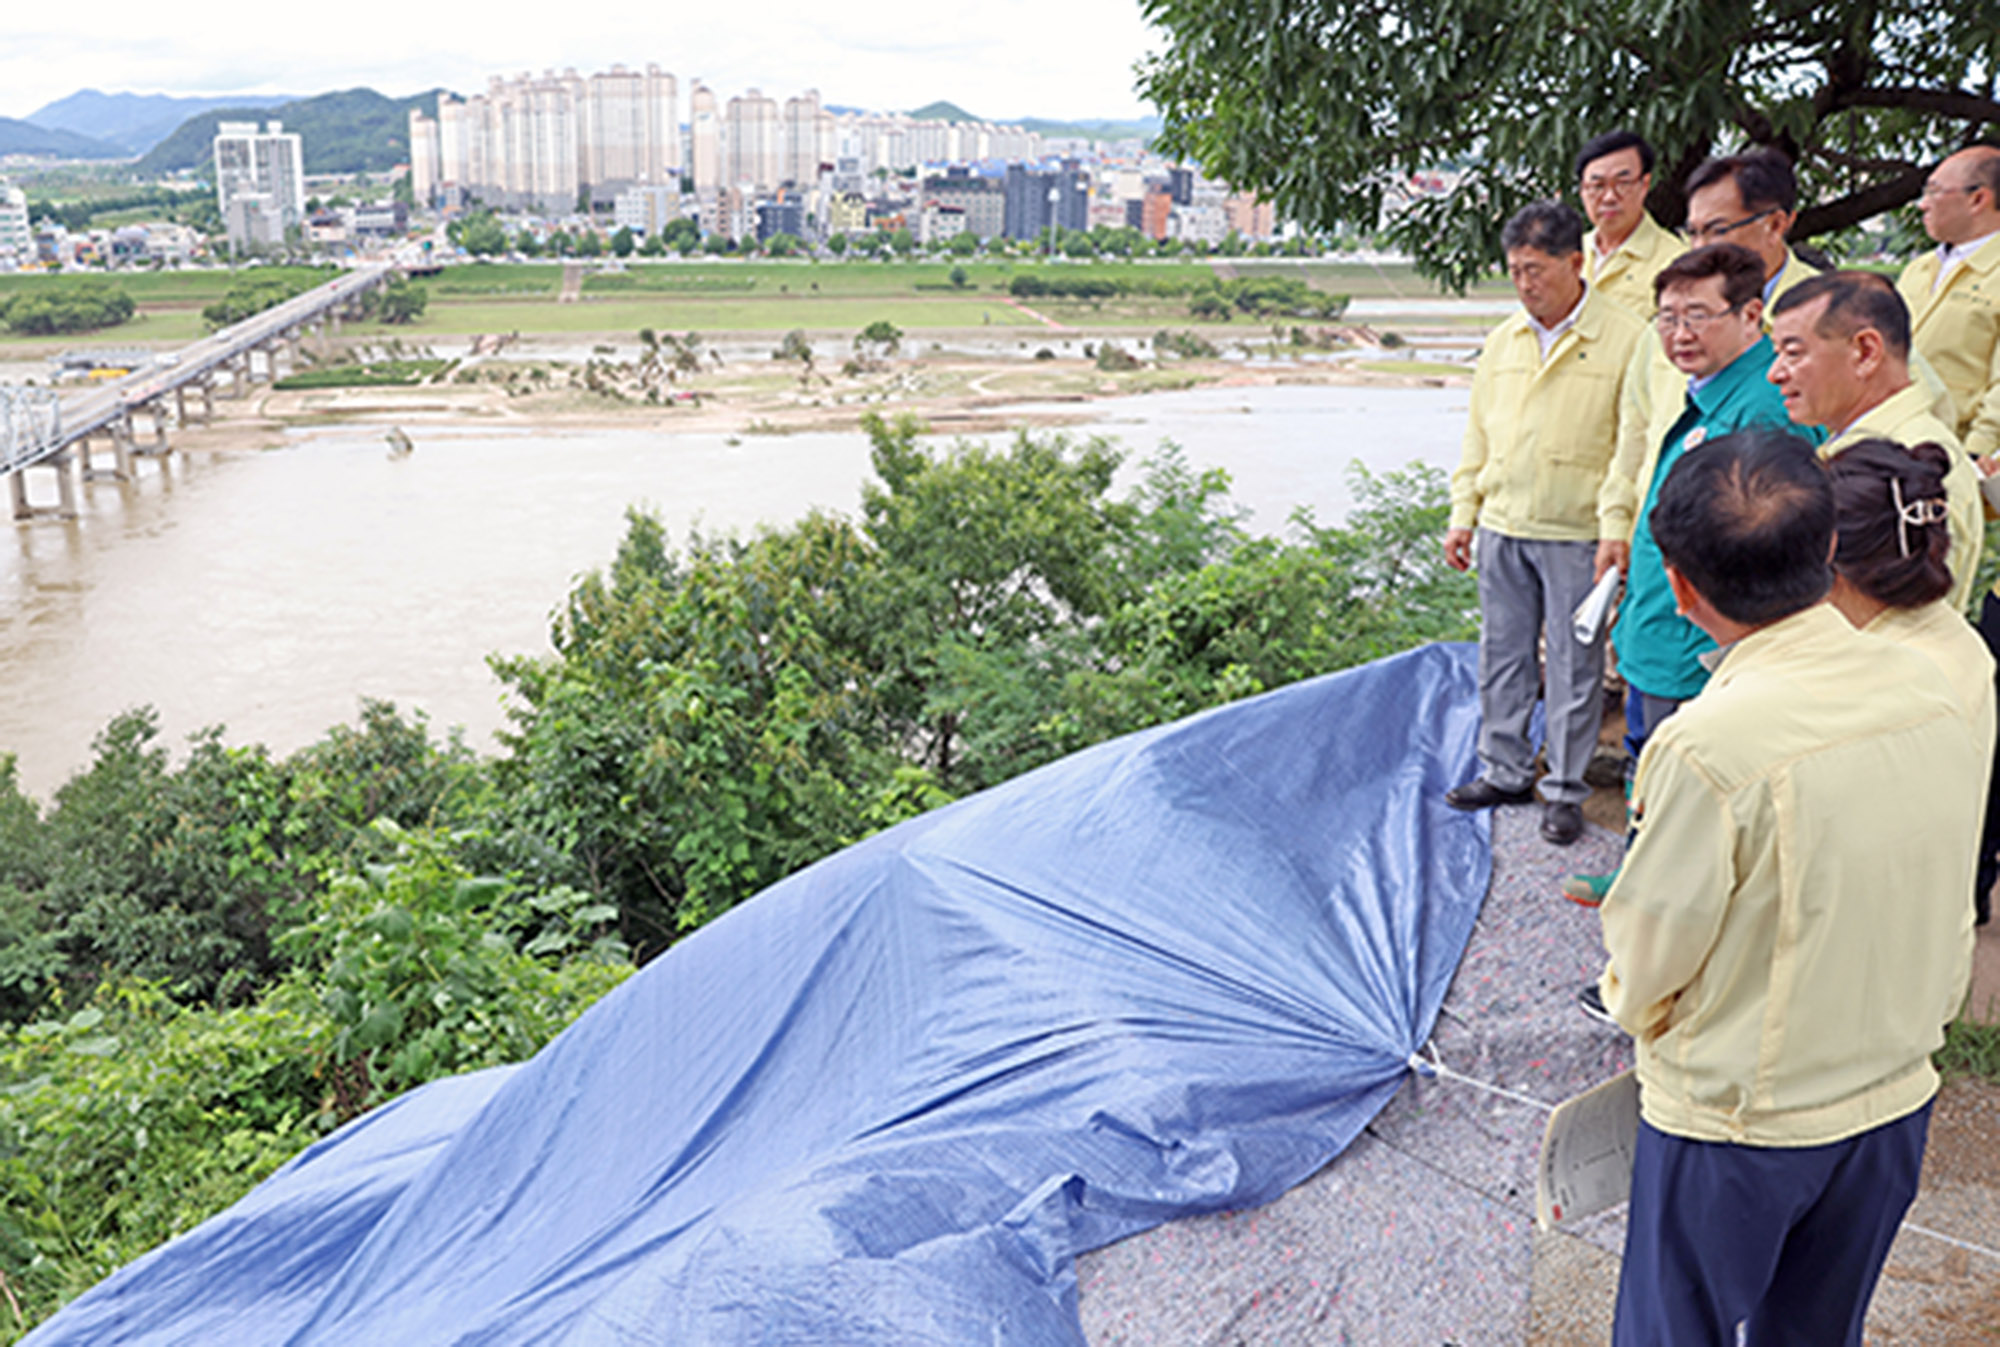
(38, 428)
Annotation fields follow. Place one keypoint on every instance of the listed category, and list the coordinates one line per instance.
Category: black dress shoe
(1562, 822)
(1592, 1003)
(1479, 793)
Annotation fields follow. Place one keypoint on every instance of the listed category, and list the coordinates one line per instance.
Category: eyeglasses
(1933, 190)
(1618, 185)
(1711, 233)
(1694, 320)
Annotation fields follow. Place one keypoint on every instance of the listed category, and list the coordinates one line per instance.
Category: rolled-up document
(1588, 620)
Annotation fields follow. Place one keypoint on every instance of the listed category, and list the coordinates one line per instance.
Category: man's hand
(1611, 552)
(1458, 549)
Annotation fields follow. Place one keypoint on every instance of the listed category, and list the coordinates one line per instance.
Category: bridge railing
(30, 423)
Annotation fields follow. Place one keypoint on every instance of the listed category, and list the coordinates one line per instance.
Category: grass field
(763, 296)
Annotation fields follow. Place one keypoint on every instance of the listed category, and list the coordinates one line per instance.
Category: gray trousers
(1523, 585)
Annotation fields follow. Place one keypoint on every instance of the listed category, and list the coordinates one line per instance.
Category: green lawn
(705, 313)
(764, 296)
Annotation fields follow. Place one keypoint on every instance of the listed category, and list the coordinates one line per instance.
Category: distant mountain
(1143, 128)
(19, 137)
(942, 111)
(136, 122)
(354, 131)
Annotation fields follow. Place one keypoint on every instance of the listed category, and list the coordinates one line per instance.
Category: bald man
(1954, 292)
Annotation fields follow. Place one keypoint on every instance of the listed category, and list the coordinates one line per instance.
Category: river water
(269, 592)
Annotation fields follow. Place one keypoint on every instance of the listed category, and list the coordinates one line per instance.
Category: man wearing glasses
(1954, 300)
(1538, 438)
(1954, 293)
(1749, 200)
(1711, 326)
(1625, 248)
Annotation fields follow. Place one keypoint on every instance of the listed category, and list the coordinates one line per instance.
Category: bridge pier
(120, 433)
(239, 375)
(65, 507)
(159, 447)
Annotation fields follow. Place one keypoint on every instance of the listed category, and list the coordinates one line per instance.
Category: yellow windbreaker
(1626, 272)
(1956, 327)
(1540, 433)
(1791, 931)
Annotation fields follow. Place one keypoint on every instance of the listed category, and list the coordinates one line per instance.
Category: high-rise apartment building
(540, 142)
(809, 139)
(704, 139)
(752, 146)
(17, 243)
(425, 159)
(259, 181)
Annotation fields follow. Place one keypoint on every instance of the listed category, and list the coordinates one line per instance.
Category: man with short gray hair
(1539, 437)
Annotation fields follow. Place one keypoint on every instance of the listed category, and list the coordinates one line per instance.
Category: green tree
(902, 242)
(398, 302)
(258, 291)
(880, 337)
(526, 244)
(837, 244)
(621, 242)
(682, 235)
(79, 305)
(479, 234)
(588, 244)
(1323, 107)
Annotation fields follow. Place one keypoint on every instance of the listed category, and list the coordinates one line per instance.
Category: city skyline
(1005, 60)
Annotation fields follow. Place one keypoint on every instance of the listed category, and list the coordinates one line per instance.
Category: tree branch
(1858, 206)
(1941, 102)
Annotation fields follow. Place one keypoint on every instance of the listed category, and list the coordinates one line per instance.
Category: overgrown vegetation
(374, 374)
(206, 963)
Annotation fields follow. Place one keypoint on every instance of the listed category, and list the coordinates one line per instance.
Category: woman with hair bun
(1891, 571)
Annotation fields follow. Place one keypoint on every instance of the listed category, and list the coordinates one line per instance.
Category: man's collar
(1709, 391)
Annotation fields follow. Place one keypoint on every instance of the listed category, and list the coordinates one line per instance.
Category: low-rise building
(646, 211)
(938, 222)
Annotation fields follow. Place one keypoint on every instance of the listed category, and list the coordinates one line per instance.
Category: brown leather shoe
(1479, 793)
(1562, 822)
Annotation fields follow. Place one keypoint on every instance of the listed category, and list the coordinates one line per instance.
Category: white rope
(1433, 1066)
(1914, 1228)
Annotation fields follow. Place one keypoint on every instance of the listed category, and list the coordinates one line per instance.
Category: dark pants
(1989, 836)
(1643, 714)
(1789, 1240)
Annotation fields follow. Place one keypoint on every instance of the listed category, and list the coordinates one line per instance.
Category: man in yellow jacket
(1843, 342)
(1954, 299)
(1540, 434)
(1789, 934)
(1954, 292)
(1626, 247)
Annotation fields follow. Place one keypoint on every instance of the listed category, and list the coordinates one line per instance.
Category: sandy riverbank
(950, 393)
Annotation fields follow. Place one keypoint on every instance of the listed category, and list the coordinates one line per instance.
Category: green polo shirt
(1659, 651)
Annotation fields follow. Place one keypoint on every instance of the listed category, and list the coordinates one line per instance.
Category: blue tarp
(890, 1099)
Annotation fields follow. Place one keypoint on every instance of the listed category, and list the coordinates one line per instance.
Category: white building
(647, 210)
(259, 181)
(426, 160)
(752, 142)
(17, 243)
(705, 139)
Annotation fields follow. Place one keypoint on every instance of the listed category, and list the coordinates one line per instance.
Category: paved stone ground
(1423, 1231)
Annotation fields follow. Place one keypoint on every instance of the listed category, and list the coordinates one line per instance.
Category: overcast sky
(998, 59)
